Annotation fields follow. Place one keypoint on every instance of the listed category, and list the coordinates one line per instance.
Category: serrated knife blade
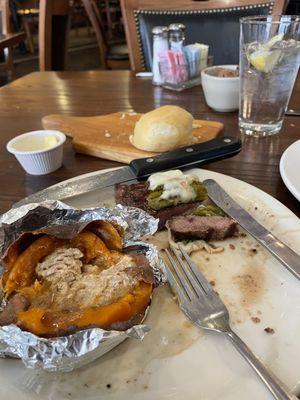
(79, 185)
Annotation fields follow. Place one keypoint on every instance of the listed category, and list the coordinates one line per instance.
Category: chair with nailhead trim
(213, 22)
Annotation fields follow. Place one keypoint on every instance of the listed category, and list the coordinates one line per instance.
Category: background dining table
(25, 101)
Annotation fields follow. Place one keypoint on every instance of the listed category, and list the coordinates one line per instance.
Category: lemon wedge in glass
(264, 60)
(273, 41)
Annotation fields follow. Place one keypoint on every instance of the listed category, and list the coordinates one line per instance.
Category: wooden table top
(25, 101)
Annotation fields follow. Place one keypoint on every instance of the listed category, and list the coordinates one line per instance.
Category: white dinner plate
(290, 167)
(179, 361)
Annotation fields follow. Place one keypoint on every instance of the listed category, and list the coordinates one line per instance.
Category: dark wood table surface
(25, 101)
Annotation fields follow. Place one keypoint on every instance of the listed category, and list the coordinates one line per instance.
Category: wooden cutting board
(107, 136)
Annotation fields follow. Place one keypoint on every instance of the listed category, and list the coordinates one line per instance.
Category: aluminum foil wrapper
(56, 218)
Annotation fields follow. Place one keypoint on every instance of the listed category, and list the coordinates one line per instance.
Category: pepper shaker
(177, 37)
(160, 44)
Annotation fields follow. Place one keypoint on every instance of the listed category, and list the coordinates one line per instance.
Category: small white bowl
(221, 93)
(35, 159)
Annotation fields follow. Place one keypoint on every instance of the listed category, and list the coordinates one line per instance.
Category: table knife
(281, 251)
(190, 156)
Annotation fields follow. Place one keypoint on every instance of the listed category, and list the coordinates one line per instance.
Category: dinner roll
(163, 129)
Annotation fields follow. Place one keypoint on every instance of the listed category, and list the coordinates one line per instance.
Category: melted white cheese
(175, 184)
(160, 178)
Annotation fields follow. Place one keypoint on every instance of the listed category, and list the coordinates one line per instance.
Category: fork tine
(183, 281)
(200, 291)
(198, 274)
(174, 284)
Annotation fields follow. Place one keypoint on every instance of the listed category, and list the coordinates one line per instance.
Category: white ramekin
(221, 93)
(39, 162)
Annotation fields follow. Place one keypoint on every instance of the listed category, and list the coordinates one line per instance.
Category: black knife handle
(190, 156)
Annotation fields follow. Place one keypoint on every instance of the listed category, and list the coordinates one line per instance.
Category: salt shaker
(177, 37)
(160, 44)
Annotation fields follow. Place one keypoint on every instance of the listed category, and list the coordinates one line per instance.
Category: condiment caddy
(176, 66)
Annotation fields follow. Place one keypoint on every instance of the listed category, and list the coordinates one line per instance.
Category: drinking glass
(269, 62)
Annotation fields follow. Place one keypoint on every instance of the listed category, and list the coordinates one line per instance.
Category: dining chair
(54, 21)
(112, 55)
(79, 19)
(112, 11)
(27, 16)
(8, 38)
(213, 22)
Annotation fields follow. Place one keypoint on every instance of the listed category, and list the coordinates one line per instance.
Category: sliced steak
(135, 195)
(170, 212)
(19, 302)
(206, 228)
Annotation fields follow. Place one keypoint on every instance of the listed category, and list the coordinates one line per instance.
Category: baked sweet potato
(93, 248)
(22, 273)
(108, 233)
(32, 292)
(21, 266)
(14, 251)
(17, 248)
(50, 323)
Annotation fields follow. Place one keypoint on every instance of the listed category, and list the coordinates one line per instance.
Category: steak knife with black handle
(190, 156)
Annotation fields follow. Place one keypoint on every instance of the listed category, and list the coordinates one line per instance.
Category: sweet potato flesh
(93, 247)
(104, 244)
(50, 323)
(22, 273)
(108, 233)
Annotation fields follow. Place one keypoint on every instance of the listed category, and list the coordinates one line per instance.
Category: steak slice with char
(135, 195)
(168, 213)
(205, 228)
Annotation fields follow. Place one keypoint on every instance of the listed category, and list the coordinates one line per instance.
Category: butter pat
(50, 141)
(35, 143)
(38, 152)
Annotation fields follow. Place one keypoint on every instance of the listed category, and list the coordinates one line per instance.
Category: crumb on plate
(269, 330)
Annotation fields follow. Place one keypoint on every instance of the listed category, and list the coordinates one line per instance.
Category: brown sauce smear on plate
(250, 285)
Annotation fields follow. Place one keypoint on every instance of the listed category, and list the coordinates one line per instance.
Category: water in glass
(268, 69)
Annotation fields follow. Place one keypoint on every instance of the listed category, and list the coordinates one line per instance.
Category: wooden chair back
(5, 17)
(53, 34)
(214, 22)
(9, 38)
(92, 10)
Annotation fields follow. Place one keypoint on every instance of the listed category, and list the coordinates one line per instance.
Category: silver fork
(204, 308)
